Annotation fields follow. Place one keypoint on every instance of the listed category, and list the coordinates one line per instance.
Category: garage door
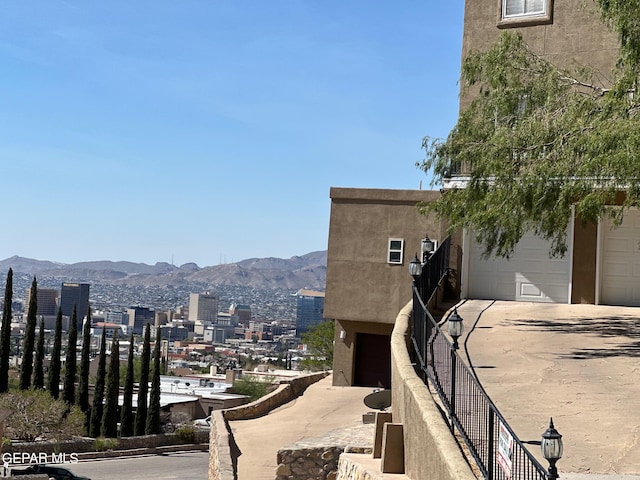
(529, 275)
(620, 265)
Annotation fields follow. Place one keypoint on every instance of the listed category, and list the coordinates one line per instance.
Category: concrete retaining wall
(431, 453)
(287, 391)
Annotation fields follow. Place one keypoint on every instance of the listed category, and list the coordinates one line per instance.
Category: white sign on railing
(505, 450)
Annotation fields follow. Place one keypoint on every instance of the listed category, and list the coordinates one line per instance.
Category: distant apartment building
(241, 312)
(203, 307)
(309, 309)
(47, 301)
(138, 318)
(74, 294)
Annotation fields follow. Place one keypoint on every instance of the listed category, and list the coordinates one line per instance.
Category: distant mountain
(306, 271)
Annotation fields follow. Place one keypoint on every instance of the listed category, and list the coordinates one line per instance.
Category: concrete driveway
(579, 364)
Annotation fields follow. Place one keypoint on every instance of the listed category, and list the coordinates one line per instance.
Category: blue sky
(211, 131)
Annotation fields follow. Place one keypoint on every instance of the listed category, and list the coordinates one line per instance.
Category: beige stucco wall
(430, 452)
(361, 285)
(575, 37)
(344, 349)
(363, 291)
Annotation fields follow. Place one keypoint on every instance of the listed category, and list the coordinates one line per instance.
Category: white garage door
(529, 275)
(620, 266)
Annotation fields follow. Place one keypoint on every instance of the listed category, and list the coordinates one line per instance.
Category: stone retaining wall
(308, 463)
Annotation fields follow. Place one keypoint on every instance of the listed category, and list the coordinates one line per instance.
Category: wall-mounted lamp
(343, 335)
(427, 246)
(415, 268)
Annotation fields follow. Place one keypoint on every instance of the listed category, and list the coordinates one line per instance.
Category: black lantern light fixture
(455, 327)
(551, 446)
(415, 268)
(427, 247)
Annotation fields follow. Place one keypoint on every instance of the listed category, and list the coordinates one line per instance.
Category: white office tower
(203, 307)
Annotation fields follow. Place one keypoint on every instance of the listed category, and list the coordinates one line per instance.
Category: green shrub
(6, 442)
(186, 434)
(102, 444)
(252, 387)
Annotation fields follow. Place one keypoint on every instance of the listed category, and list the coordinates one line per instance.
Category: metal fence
(496, 449)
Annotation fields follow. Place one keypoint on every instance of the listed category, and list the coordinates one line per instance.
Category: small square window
(520, 13)
(396, 250)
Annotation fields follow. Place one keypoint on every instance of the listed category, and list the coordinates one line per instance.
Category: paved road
(185, 465)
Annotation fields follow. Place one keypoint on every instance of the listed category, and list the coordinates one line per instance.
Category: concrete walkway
(576, 363)
(323, 409)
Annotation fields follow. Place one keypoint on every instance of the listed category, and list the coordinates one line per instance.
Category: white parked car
(203, 422)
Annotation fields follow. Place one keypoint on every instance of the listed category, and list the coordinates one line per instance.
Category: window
(396, 250)
(513, 8)
(525, 12)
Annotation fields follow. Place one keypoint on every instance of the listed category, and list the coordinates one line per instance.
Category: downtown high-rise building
(74, 294)
(203, 307)
(47, 301)
(309, 310)
(138, 319)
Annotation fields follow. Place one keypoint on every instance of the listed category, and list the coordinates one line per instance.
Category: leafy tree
(54, 366)
(110, 414)
(143, 388)
(38, 364)
(35, 414)
(26, 369)
(537, 141)
(95, 423)
(126, 415)
(85, 362)
(69, 389)
(5, 333)
(153, 414)
(319, 341)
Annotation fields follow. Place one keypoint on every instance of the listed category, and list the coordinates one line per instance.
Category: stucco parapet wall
(287, 390)
(439, 456)
(223, 452)
(380, 195)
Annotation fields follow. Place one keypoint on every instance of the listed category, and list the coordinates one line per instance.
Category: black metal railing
(498, 452)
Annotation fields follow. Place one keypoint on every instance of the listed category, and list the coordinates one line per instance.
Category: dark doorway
(373, 361)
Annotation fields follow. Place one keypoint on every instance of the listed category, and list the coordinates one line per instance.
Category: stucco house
(373, 234)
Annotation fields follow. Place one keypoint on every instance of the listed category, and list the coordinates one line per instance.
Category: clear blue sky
(211, 131)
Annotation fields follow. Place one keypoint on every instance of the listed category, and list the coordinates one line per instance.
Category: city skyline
(211, 132)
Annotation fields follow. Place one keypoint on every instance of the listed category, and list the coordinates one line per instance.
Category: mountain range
(306, 271)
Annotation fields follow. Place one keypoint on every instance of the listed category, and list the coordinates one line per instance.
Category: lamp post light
(455, 327)
(415, 268)
(551, 446)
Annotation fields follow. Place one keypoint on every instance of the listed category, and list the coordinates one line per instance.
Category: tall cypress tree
(126, 417)
(69, 391)
(5, 333)
(85, 359)
(26, 369)
(98, 392)
(153, 414)
(38, 364)
(143, 388)
(54, 366)
(110, 414)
